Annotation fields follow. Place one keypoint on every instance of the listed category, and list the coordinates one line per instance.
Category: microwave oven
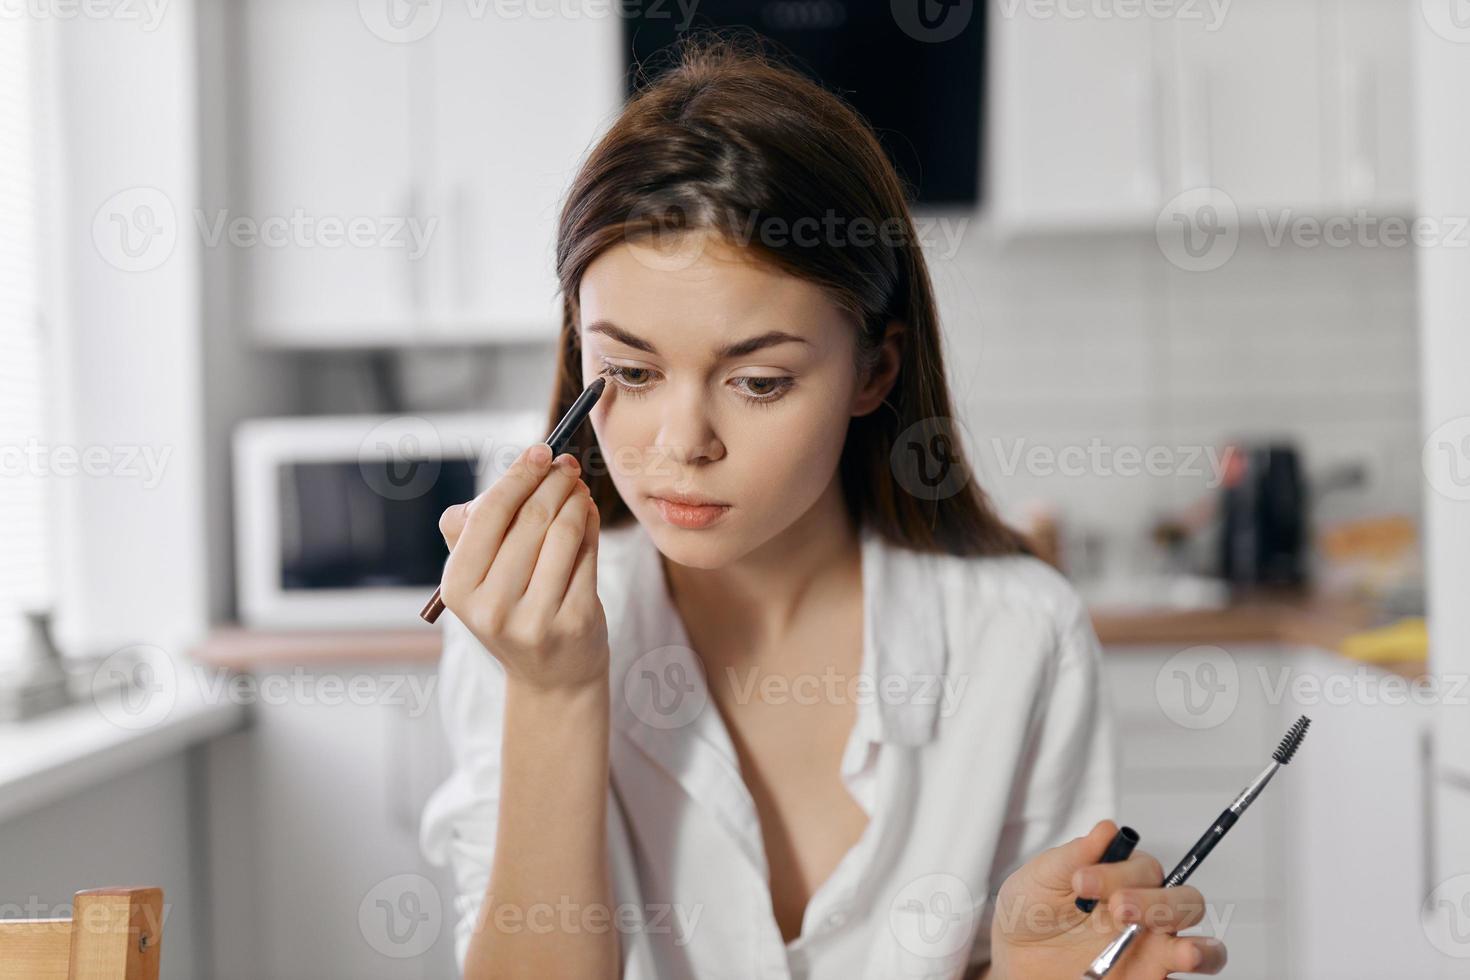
(337, 517)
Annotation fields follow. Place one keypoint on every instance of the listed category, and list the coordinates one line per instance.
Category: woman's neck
(761, 596)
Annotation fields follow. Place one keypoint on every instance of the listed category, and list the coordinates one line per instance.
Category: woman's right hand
(522, 573)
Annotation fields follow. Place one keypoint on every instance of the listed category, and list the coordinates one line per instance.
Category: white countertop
(48, 757)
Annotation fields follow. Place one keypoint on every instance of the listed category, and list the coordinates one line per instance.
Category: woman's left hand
(1038, 931)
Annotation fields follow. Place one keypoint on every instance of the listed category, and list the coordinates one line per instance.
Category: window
(24, 538)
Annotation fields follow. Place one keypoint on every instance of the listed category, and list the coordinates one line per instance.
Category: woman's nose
(687, 432)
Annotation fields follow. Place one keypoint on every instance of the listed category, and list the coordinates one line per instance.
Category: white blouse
(982, 736)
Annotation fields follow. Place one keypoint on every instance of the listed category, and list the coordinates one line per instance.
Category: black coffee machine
(1263, 504)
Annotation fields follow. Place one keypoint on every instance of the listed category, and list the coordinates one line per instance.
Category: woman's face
(731, 382)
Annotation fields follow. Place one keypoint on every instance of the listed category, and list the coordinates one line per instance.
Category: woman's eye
(629, 377)
(759, 389)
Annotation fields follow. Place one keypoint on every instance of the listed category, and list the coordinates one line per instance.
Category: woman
(759, 685)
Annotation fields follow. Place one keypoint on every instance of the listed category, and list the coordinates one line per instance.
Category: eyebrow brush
(560, 436)
(1293, 740)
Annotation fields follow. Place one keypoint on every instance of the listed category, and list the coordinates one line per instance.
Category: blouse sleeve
(1073, 760)
(459, 821)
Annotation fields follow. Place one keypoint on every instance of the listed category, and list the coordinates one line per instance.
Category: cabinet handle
(415, 266)
(1363, 177)
(1153, 150)
(463, 228)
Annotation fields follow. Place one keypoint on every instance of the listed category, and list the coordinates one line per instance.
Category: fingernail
(540, 455)
(568, 462)
(1086, 883)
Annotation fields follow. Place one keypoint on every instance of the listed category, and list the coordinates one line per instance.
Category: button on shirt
(982, 736)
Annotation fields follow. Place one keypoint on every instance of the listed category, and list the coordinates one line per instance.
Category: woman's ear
(884, 372)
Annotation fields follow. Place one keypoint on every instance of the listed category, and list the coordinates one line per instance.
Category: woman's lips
(689, 515)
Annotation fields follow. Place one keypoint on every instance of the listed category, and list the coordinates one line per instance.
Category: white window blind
(24, 537)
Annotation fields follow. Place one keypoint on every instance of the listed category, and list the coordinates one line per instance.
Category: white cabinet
(329, 111)
(1325, 874)
(1101, 114)
(515, 104)
(450, 146)
(1246, 100)
(313, 816)
(1076, 138)
(1367, 123)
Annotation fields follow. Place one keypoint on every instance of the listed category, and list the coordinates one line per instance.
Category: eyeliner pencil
(1202, 847)
(560, 436)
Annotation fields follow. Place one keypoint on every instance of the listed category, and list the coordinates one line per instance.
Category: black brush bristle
(1292, 741)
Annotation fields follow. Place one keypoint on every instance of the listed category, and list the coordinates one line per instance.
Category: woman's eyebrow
(737, 349)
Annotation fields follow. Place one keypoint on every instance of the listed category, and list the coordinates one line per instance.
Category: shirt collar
(905, 655)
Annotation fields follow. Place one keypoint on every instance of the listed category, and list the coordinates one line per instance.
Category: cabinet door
(328, 183)
(1246, 104)
(314, 813)
(1076, 103)
(1367, 105)
(517, 101)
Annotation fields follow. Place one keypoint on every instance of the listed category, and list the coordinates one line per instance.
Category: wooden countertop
(1286, 620)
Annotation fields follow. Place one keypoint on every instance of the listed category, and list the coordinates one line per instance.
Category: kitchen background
(1197, 225)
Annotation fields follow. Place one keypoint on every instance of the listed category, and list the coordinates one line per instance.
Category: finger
(483, 522)
(581, 597)
(1141, 870)
(510, 570)
(553, 571)
(1188, 954)
(1058, 866)
(1159, 909)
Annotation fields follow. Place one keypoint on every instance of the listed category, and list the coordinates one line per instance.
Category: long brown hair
(729, 139)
